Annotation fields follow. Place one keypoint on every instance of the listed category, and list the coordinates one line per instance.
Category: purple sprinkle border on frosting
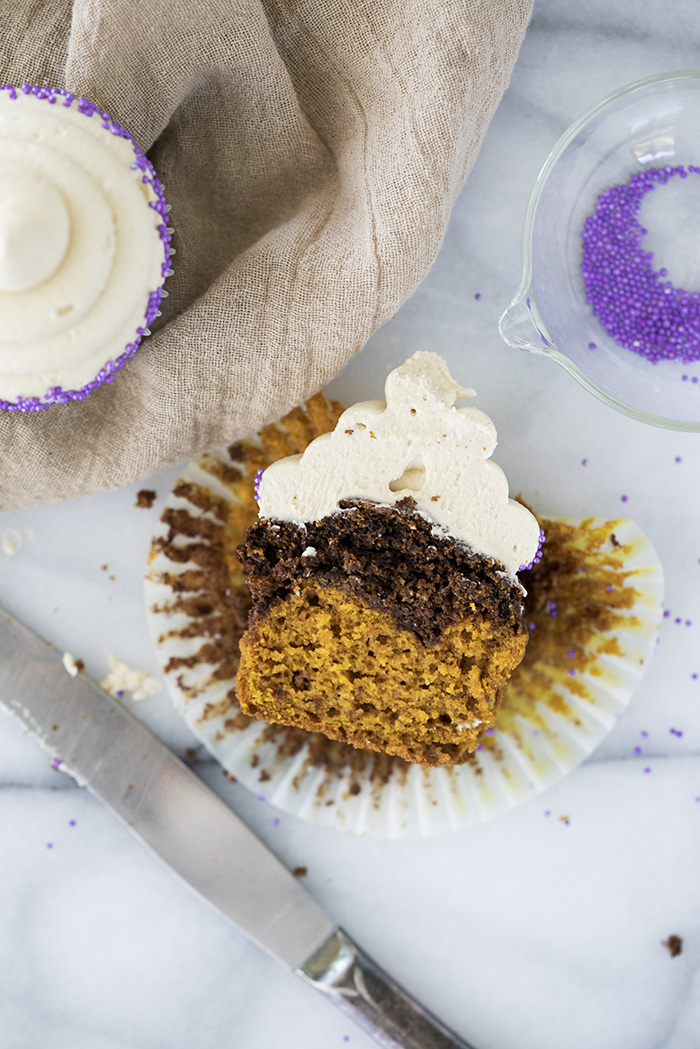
(538, 556)
(256, 484)
(56, 395)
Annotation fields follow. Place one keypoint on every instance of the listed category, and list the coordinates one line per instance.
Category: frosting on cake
(83, 246)
(417, 443)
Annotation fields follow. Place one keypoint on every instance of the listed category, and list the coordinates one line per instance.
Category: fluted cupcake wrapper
(562, 702)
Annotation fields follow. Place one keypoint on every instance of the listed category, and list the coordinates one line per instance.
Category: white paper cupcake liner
(550, 720)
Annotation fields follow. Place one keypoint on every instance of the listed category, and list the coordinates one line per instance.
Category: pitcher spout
(519, 328)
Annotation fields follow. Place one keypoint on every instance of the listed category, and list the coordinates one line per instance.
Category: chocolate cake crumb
(145, 498)
(300, 872)
(674, 945)
(189, 754)
(390, 558)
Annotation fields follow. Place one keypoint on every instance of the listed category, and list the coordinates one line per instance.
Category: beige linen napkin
(311, 151)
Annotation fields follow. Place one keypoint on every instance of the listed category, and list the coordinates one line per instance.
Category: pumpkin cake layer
(374, 628)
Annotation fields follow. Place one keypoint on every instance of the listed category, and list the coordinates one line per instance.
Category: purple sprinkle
(647, 770)
(688, 622)
(638, 307)
(274, 822)
(592, 346)
(572, 673)
(584, 462)
(480, 747)
(609, 588)
(346, 1037)
(119, 693)
(547, 812)
(637, 751)
(489, 731)
(260, 797)
(478, 296)
(694, 677)
(676, 732)
(571, 653)
(49, 844)
(678, 459)
(71, 823)
(667, 614)
(624, 498)
(644, 734)
(678, 620)
(531, 626)
(56, 763)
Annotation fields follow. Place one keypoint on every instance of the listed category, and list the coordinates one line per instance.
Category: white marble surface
(526, 932)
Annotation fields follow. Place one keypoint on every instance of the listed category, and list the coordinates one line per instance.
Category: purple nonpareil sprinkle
(592, 346)
(49, 844)
(637, 751)
(478, 296)
(678, 459)
(56, 763)
(638, 307)
(256, 484)
(688, 622)
(676, 732)
(489, 731)
(260, 797)
(644, 734)
(694, 677)
(548, 812)
(624, 498)
(571, 653)
(647, 770)
(667, 614)
(678, 620)
(119, 693)
(71, 823)
(572, 673)
(584, 462)
(274, 822)
(609, 587)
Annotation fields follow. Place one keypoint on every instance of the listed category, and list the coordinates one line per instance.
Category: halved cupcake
(383, 570)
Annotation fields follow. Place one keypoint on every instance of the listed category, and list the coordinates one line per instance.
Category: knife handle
(356, 984)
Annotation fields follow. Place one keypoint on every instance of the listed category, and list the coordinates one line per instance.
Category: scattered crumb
(104, 567)
(145, 498)
(564, 819)
(614, 540)
(300, 872)
(73, 666)
(11, 541)
(674, 945)
(112, 577)
(230, 777)
(189, 754)
(123, 678)
(264, 776)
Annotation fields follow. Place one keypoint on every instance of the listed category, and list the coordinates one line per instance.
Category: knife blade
(192, 829)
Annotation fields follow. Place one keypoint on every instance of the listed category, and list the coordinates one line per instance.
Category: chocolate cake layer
(391, 558)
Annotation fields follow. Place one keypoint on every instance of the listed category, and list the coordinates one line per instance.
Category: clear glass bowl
(651, 123)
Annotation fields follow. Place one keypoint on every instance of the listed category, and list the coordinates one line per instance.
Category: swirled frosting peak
(417, 443)
(84, 248)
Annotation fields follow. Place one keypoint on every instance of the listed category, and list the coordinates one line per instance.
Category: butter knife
(169, 808)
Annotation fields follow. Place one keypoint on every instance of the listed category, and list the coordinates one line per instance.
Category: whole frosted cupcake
(84, 248)
(387, 612)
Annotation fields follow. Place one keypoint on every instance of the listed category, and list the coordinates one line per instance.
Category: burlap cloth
(311, 151)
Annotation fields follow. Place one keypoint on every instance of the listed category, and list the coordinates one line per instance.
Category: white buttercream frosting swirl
(80, 248)
(417, 443)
